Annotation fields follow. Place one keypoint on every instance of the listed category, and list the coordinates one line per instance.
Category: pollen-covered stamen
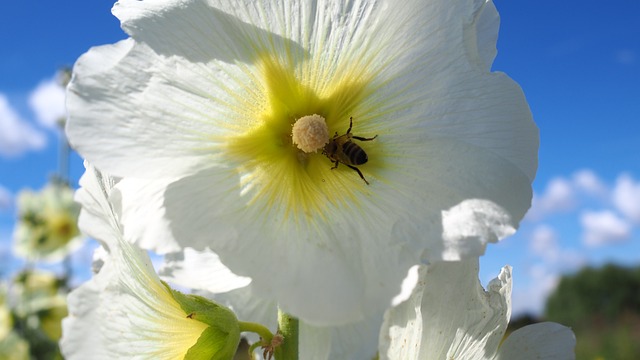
(310, 133)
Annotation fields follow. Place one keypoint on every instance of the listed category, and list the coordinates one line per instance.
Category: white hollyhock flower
(450, 316)
(125, 311)
(14, 347)
(40, 300)
(202, 101)
(47, 229)
(6, 321)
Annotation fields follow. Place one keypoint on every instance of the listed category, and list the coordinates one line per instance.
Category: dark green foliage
(595, 295)
(602, 306)
(522, 321)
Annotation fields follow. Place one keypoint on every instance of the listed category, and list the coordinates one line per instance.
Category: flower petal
(176, 73)
(95, 92)
(96, 217)
(444, 79)
(184, 29)
(144, 318)
(352, 341)
(485, 32)
(470, 225)
(442, 321)
(142, 210)
(342, 260)
(200, 270)
(545, 340)
(82, 339)
(432, 195)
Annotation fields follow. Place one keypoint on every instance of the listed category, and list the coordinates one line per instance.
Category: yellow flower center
(293, 116)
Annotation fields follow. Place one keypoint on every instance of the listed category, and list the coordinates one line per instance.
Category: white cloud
(566, 194)
(589, 183)
(6, 199)
(626, 197)
(544, 243)
(48, 103)
(16, 135)
(604, 227)
(613, 218)
(559, 196)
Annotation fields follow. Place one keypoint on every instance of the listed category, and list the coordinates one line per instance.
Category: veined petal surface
(124, 311)
(450, 316)
(443, 321)
(205, 92)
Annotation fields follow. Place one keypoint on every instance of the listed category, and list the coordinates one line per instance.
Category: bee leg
(350, 124)
(336, 165)
(364, 139)
(359, 173)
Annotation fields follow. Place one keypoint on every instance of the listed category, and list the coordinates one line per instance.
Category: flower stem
(261, 330)
(289, 329)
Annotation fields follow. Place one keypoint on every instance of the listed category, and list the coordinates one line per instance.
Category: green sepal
(214, 344)
(220, 340)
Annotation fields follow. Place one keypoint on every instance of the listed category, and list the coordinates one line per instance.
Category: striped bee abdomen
(354, 153)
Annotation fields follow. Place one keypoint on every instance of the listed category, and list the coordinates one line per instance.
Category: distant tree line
(595, 296)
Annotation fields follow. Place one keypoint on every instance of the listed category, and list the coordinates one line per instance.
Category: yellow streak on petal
(157, 319)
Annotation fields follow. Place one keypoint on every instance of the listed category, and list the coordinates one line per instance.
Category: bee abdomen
(354, 153)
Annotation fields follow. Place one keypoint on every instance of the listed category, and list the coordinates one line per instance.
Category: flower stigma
(310, 133)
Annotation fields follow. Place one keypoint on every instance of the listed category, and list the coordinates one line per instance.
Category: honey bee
(340, 149)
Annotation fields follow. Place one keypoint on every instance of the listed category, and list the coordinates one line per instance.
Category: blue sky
(577, 61)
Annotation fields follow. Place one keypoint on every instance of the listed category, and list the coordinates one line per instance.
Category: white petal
(546, 340)
(96, 216)
(144, 317)
(441, 76)
(81, 338)
(179, 28)
(432, 194)
(408, 284)
(461, 133)
(158, 106)
(329, 275)
(470, 225)
(108, 125)
(352, 341)
(449, 315)
(200, 270)
(142, 210)
(144, 320)
(248, 307)
(485, 32)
